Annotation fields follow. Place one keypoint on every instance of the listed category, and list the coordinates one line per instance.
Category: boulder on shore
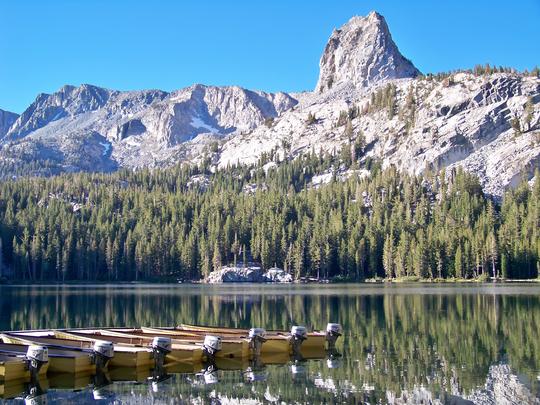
(251, 274)
(277, 275)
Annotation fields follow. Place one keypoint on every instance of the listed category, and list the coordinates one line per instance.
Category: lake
(402, 343)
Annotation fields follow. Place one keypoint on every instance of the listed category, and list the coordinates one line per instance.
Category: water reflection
(400, 343)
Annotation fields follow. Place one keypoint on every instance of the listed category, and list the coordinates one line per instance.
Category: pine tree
(458, 263)
(528, 112)
(216, 258)
(388, 256)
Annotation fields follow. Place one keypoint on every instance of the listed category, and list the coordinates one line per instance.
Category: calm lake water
(401, 342)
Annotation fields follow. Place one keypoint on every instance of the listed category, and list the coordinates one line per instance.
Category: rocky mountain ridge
(368, 96)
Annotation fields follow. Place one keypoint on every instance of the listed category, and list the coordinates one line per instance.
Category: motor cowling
(104, 348)
(256, 336)
(211, 346)
(38, 353)
(162, 344)
(299, 332)
(333, 332)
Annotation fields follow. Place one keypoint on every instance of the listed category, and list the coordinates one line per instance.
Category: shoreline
(405, 280)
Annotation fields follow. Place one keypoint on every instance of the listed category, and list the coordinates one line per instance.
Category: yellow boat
(13, 367)
(181, 351)
(315, 340)
(124, 355)
(61, 359)
(275, 343)
(230, 347)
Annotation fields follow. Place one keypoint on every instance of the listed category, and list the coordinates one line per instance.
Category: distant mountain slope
(91, 128)
(368, 95)
(6, 121)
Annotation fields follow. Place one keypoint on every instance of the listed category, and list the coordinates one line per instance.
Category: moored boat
(275, 343)
(61, 359)
(14, 366)
(181, 351)
(125, 355)
(231, 347)
(314, 340)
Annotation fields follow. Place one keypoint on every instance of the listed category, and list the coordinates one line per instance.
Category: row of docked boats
(26, 355)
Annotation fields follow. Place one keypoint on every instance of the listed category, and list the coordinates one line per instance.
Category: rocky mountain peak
(363, 53)
(67, 101)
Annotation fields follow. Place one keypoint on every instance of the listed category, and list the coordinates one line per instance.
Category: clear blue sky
(272, 45)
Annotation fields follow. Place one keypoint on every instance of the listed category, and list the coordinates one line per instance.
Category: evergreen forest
(181, 223)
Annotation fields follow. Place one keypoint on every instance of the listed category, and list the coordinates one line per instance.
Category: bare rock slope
(487, 123)
(368, 94)
(362, 53)
(91, 128)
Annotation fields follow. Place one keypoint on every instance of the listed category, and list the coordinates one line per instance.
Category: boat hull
(127, 356)
(182, 345)
(60, 360)
(14, 368)
(314, 341)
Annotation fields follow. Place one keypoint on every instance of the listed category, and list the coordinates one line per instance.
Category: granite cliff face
(487, 123)
(362, 53)
(464, 120)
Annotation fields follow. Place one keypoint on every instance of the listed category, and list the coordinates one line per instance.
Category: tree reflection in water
(400, 341)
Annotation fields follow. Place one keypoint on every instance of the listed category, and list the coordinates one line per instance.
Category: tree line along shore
(184, 222)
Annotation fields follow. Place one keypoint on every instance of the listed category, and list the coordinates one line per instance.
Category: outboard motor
(256, 371)
(257, 336)
(103, 353)
(298, 335)
(210, 375)
(333, 332)
(36, 400)
(161, 346)
(101, 394)
(252, 375)
(298, 371)
(211, 346)
(36, 357)
(333, 362)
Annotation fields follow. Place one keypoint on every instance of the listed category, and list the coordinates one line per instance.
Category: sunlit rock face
(363, 53)
(151, 128)
(487, 124)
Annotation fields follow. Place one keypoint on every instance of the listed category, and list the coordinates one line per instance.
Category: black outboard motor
(103, 353)
(333, 332)
(161, 346)
(298, 335)
(257, 336)
(36, 357)
(211, 346)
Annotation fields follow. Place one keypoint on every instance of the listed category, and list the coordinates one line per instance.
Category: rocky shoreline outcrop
(250, 274)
